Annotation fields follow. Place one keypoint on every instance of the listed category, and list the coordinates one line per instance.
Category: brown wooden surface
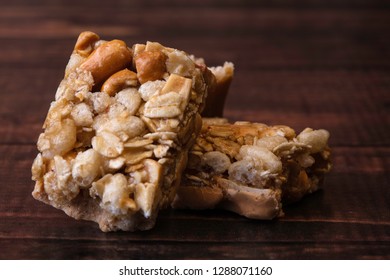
(321, 64)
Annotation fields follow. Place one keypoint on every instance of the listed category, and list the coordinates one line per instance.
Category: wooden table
(320, 64)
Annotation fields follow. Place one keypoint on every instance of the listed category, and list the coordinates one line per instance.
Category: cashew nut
(108, 58)
(85, 43)
(150, 66)
(118, 81)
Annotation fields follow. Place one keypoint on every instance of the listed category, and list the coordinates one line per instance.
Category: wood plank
(322, 64)
(280, 49)
(319, 4)
(265, 36)
(125, 249)
(179, 227)
(342, 210)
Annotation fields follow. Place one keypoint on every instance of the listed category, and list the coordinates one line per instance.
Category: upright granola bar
(252, 168)
(216, 97)
(116, 136)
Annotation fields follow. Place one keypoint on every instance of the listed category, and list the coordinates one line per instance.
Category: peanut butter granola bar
(116, 137)
(217, 95)
(252, 168)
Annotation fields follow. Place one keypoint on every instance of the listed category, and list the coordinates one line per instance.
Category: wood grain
(320, 64)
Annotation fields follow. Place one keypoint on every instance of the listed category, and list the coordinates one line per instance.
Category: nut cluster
(125, 125)
(258, 156)
(118, 131)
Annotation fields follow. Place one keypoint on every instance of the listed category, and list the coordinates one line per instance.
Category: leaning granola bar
(116, 136)
(252, 168)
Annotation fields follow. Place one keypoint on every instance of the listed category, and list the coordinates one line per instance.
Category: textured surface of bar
(252, 168)
(116, 136)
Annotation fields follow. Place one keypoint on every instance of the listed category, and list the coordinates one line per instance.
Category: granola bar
(252, 168)
(217, 94)
(116, 136)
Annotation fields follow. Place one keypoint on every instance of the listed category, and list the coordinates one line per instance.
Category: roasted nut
(85, 43)
(108, 58)
(118, 81)
(150, 66)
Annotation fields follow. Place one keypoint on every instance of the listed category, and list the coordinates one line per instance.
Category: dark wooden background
(316, 63)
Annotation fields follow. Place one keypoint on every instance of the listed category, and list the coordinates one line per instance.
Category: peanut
(150, 66)
(85, 43)
(118, 81)
(108, 58)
